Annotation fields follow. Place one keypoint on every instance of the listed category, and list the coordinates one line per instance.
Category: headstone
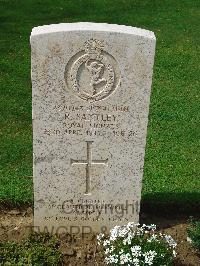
(91, 92)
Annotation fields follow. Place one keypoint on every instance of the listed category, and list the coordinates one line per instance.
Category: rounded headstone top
(89, 26)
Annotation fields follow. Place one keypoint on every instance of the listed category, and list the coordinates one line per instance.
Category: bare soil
(15, 225)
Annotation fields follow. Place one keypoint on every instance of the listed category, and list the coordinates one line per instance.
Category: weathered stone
(91, 91)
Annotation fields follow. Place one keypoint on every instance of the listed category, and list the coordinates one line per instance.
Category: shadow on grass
(171, 204)
(9, 205)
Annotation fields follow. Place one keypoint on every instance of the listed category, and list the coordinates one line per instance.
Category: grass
(171, 174)
(194, 234)
(36, 250)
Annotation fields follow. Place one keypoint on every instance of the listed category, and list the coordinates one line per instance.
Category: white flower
(131, 224)
(170, 241)
(107, 251)
(152, 227)
(136, 262)
(111, 259)
(189, 239)
(152, 238)
(122, 232)
(174, 253)
(106, 243)
(128, 239)
(139, 232)
(99, 237)
(136, 251)
(149, 257)
(129, 255)
(124, 258)
(114, 233)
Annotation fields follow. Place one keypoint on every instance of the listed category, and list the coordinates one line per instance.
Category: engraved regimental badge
(92, 74)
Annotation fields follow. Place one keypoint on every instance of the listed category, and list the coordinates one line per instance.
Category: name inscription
(93, 120)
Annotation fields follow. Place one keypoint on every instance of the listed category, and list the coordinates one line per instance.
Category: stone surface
(91, 91)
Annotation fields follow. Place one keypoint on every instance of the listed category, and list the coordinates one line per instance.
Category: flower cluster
(137, 245)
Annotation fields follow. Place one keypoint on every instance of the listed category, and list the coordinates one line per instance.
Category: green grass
(36, 250)
(171, 176)
(193, 232)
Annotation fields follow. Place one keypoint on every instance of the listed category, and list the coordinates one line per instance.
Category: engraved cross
(88, 163)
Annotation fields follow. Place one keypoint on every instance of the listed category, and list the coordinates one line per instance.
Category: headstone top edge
(90, 26)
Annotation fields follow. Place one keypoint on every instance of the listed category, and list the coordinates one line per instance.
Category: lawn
(172, 167)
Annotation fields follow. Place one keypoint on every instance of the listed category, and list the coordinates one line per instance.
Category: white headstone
(91, 91)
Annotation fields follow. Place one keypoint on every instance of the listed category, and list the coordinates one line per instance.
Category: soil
(15, 225)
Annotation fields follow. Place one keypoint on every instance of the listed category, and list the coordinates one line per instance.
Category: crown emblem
(93, 46)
